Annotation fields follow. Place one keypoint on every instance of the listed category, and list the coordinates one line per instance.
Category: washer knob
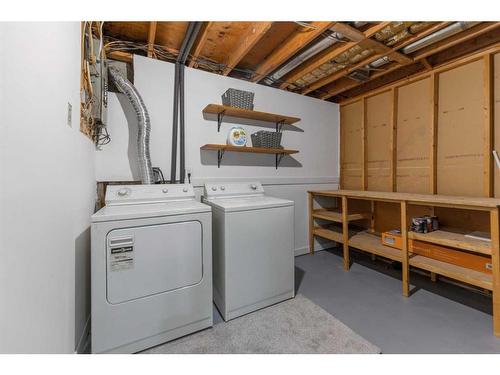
(223, 188)
(185, 190)
(253, 186)
(165, 190)
(122, 192)
(214, 188)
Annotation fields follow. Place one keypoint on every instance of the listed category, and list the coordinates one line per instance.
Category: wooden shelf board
(480, 279)
(254, 150)
(336, 216)
(332, 234)
(475, 203)
(455, 240)
(215, 109)
(372, 244)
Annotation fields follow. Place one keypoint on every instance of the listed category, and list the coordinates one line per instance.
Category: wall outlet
(70, 115)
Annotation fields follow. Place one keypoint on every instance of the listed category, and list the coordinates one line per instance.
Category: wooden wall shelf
(221, 149)
(223, 110)
(371, 243)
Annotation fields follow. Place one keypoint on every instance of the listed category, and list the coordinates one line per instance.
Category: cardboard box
(465, 259)
(392, 238)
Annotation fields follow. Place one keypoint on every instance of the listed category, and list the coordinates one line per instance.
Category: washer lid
(146, 210)
(234, 204)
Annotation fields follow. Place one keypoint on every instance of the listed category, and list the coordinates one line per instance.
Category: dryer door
(144, 261)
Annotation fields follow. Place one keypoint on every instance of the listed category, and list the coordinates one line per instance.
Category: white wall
(314, 167)
(47, 190)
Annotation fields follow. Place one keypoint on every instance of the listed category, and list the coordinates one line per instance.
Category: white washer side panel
(259, 256)
(138, 324)
(156, 259)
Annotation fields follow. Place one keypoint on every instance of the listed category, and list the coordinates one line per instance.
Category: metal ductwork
(143, 123)
(324, 43)
(426, 41)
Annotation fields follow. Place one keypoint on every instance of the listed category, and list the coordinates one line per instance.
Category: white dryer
(151, 267)
(253, 247)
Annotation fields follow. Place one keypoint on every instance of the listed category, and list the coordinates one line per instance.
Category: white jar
(237, 136)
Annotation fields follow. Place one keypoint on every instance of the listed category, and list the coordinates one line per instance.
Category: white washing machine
(151, 266)
(253, 247)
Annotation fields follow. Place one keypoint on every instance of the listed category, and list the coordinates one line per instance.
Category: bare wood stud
(495, 262)
(434, 131)
(488, 92)
(151, 38)
(394, 141)
(364, 168)
(345, 233)
(405, 260)
(311, 222)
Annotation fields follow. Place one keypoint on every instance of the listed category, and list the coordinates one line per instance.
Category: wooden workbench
(369, 241)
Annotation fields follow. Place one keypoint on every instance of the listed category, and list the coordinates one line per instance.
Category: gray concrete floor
(436, 318)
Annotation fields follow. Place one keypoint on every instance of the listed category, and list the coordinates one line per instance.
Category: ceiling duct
(426, 41)
(327, 41)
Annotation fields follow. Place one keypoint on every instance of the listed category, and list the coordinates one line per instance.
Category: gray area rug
(294, 326)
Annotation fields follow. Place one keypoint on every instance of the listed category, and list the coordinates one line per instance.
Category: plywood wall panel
(378, 135)
(461, 131)
(496, 102)
(414, 137)
(351, 117)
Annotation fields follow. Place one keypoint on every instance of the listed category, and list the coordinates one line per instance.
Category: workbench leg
(345, 234)
(495, 262)
(311, 222)
(433, 277)
(405, 263)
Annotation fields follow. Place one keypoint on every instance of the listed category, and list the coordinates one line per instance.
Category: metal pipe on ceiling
(322, 44)
(426, 41)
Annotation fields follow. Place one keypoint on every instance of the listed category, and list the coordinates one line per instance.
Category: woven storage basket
(266, 139)
(238, 98)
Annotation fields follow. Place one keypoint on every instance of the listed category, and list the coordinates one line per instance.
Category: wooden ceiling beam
(330, 53)
(290, 47)
(200, 43)
(151, 38)
(433, 49)
(255, 33)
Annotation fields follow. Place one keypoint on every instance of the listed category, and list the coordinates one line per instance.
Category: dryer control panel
(140, 194)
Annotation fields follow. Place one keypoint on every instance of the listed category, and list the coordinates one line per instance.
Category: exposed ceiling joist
(333, 90)
(248, 41)
(291, 46)
(151, 38)
(331, 52)
(434, 48)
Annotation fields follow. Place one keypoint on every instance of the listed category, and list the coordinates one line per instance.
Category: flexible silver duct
(143, 123)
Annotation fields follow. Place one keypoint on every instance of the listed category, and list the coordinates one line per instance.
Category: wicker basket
(266, 139)
(238, 98)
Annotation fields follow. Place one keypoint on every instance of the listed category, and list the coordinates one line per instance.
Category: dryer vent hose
(143, 123)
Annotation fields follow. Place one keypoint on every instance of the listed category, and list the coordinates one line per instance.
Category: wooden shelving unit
(371, 243)
(220, 111)
(456, 240)
(221, 149)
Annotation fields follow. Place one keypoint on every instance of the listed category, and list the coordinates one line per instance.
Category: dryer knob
(214, 188)
(253, 186)
(165, 190)
(185, 190)
(122, 192)
(223, 188)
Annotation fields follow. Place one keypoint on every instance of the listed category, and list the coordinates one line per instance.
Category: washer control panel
(135, 194)
(230, 189)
